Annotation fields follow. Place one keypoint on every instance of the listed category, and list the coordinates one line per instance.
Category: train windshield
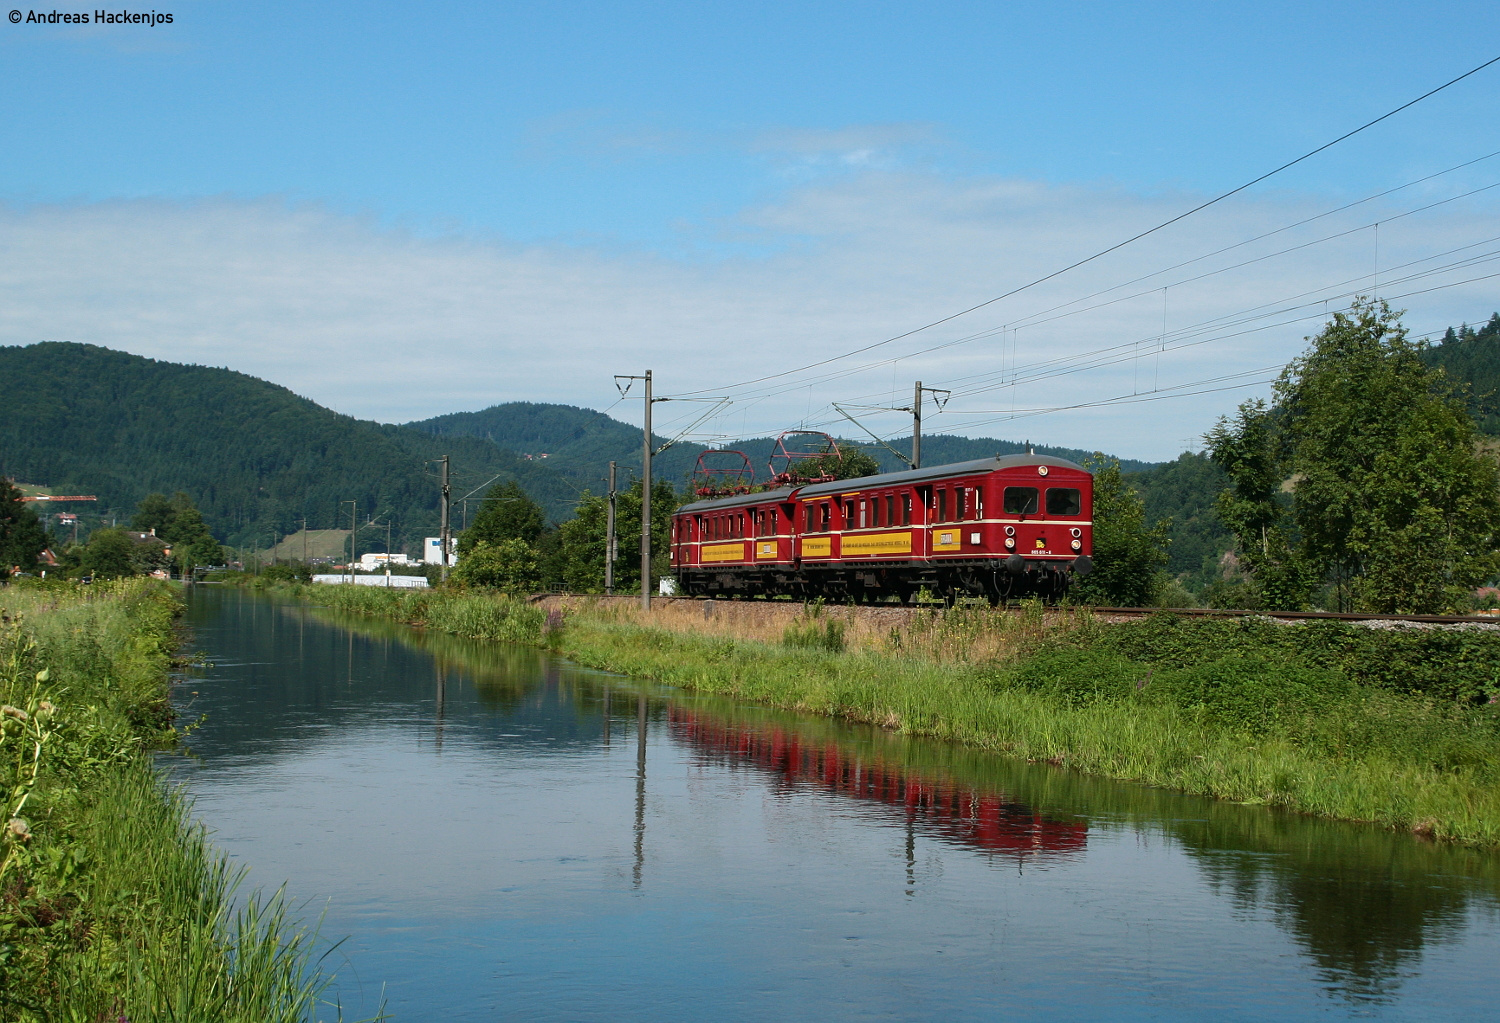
(1063, 501)
(1021, 500)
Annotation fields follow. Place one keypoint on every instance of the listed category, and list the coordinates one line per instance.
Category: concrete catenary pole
(646, 505)
(443, 531)
(916, 427)
(609, 545)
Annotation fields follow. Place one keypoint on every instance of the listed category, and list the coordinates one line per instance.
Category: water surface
(504, 835)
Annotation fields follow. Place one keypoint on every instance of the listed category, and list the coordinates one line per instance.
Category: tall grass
(117, 907)
(473, 616)
(1282, 729)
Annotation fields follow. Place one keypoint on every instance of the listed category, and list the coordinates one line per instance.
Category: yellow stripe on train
(723, 552)
(877, 543)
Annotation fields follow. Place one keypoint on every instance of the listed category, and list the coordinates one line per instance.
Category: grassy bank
(112, 903)
(1367, 726)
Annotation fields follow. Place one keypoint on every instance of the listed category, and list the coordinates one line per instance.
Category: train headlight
(1078, 545)
(1010, 530)
(1076, 531)
(1010, 543)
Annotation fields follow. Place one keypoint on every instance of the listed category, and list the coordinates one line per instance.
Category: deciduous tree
(582, 539)
(508, 513)
(507, 565)
(22, 537)
(1128, 553)
(1392, 504)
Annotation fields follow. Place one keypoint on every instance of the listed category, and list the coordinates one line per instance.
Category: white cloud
(387, 325)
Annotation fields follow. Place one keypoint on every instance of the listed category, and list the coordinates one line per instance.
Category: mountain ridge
(254, 455)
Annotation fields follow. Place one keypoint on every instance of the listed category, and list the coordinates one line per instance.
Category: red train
(1009, 526)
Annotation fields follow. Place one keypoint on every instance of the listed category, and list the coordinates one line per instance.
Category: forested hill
(255, 456)
(581, 443)
(1473, 357)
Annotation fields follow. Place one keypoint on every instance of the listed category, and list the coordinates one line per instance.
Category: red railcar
(1008, 526)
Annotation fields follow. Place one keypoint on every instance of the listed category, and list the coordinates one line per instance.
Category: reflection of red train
(988, 821)
(994, 527)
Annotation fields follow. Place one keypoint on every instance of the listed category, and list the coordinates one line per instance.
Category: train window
(825, 517)
(848, 514)
(978, 503)
(960, 503)
(890, 509)
(808, 528)
(1020, 500)
(864, 512)
(942, 506)
(906, 509)
(1063, 501)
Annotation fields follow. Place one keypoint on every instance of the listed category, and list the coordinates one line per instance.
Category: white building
(375, 562)
(395, 582)
(432, 550)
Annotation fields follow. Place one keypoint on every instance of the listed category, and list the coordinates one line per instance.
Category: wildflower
(45, 709)
(18, 829)
(13, 712)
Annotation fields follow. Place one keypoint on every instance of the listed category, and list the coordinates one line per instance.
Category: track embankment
(758, 615)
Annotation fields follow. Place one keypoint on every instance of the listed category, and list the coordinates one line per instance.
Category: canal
(499, 834)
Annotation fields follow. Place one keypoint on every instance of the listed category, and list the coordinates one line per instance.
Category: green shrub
(1447, 664)
(813, 631)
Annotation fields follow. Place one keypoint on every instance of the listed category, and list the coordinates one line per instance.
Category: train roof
(885, 479)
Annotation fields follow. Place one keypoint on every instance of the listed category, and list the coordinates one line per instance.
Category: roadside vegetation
(1393, 726)
(113, 904)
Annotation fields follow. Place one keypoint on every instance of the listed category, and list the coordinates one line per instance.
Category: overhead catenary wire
(1041, 317)
(1191, 335)
(1127, 241)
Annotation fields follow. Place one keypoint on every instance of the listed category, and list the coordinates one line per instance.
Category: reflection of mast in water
(606, 716)
(350, 658)
(991, 821)
(640, 785)
(911, 853)
(442, 693)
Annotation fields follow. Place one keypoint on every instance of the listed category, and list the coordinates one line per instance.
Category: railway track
(1112, 612)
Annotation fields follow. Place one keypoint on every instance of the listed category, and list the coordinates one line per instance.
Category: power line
(1133, 238)
(1041, 317)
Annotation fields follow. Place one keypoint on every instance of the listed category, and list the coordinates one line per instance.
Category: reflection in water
(640, 787)
(779, 843)
(991, 821)
(1364, 920)
(1361, 902)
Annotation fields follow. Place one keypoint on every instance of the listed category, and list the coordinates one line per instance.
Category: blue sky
(563, 183)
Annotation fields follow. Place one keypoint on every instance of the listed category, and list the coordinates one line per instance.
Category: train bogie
(1000, 528)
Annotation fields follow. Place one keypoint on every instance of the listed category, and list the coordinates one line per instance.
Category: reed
(113, 904)
(1285, 729)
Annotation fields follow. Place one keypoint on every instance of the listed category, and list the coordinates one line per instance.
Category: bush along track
(1393, 726)
(113, 905)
